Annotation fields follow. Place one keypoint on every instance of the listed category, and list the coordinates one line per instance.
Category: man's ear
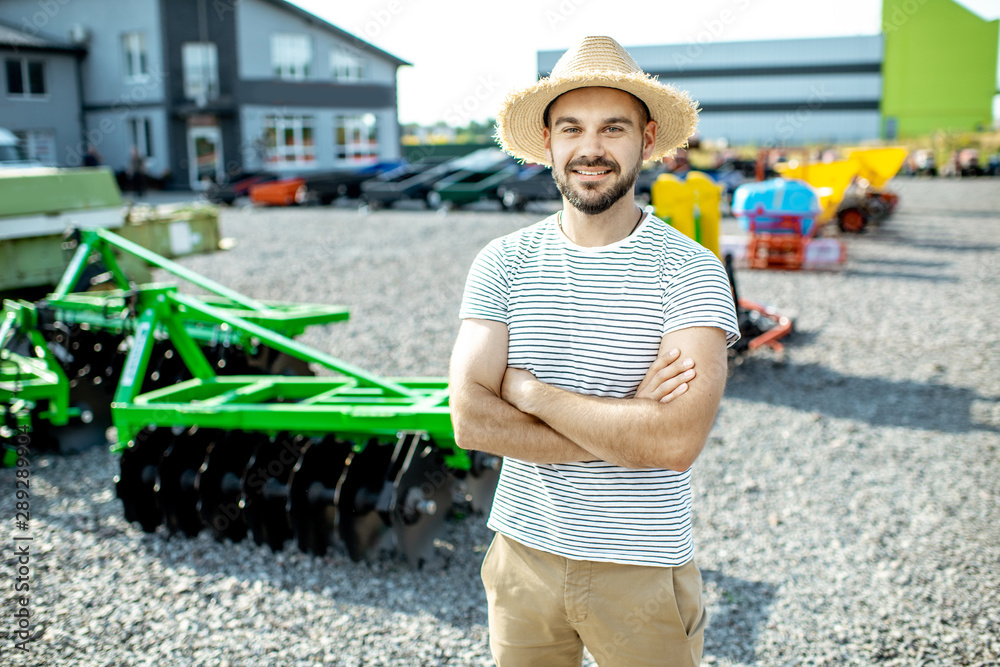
(649, 140)
(547, 143)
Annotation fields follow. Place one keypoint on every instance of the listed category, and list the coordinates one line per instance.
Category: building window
(291, 56)
(136, 57)
(347, 65)
(25, 78)
(289, 140)
(140, 132)
(201, 71)
(38, 145)
(357, 138)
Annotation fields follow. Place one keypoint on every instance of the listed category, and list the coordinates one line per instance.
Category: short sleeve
(699, 295)
(487, 288)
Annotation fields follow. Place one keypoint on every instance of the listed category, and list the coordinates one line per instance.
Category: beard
(587, 199)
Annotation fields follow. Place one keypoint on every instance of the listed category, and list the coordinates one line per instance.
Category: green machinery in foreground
(220, 422)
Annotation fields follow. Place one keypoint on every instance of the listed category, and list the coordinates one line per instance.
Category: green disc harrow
(219, 419)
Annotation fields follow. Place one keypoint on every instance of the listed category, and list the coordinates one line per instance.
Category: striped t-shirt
(590, 320)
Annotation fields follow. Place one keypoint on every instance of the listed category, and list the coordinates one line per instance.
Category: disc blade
(482, 481)
(220, 496)
(312, 506)
(265, 492)
(358, 522)
(421, 505)
(176, 477)
(135, 483)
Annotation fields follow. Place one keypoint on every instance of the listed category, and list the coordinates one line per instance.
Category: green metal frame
(26, 383)
(115, 310)
(353, 403)
(36, 383)
(111, 311)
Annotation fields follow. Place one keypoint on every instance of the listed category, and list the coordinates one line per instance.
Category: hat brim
(520, 125)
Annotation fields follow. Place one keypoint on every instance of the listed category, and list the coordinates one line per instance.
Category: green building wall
(939, 70)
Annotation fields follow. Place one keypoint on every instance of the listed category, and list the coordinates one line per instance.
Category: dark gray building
(201, 89)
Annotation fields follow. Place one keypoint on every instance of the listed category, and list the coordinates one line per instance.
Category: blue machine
(770, 204)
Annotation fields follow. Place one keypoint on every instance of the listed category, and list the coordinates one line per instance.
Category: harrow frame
(357, 402)
(370, 453)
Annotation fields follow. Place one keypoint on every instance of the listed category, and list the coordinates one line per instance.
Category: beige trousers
(544, 608)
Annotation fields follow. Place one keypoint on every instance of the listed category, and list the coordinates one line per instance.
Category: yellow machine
(851, 191)
(878, 165)
(707, 199)
(830, 179)
(38, 205)
(692, 206)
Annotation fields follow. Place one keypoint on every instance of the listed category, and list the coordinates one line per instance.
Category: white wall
(770, 53)
(790, 128)
(103, 69)
(253, 120)
(783, 88)
(257, 21)
(57, 112)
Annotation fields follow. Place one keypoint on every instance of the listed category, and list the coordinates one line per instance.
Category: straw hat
(596, 61)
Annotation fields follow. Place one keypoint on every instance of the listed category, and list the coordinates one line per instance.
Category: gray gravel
(846, 508)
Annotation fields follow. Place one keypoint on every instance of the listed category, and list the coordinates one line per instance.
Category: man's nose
(592, 145)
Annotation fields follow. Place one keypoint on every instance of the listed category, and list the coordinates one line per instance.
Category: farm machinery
(219, 420)
(692, 207)
(853, 191)
(38, 205)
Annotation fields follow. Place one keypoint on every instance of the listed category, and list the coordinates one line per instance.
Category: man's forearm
(483, 421)
(633, 433)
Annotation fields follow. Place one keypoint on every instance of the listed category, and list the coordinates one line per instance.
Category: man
(567, 364)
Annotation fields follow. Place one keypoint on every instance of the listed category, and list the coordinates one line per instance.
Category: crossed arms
(508, 412)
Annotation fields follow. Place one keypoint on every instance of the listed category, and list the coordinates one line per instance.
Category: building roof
(343, 34)
(16, 38)
(743, 58)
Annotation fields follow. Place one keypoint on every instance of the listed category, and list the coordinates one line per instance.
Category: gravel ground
(846, 506)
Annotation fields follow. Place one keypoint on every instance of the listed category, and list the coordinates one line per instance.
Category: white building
(205, 89)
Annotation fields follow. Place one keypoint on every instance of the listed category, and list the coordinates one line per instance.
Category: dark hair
(642, 106)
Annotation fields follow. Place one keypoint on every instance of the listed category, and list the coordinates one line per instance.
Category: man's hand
(640, 432)
(667, 377)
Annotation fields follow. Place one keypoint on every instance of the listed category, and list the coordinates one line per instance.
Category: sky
(467, 55)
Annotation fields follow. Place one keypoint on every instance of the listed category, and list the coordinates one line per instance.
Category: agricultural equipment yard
(846, 506)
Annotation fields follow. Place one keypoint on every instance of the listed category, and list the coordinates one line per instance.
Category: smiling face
(597, 139)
